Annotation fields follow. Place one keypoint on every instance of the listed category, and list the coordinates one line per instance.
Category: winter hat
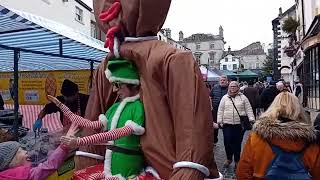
(123, 71)
(7, 152)
(69, 88)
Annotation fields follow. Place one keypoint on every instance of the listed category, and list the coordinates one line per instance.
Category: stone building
(165, 35)
(280, 41)
(207, 48)
(250, 57)
(73, 13)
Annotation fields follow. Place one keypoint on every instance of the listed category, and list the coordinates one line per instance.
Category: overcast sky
(244, 21)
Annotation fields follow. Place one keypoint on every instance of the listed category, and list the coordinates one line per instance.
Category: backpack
(287, 165)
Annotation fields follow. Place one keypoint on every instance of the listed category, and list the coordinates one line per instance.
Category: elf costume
(123, 124)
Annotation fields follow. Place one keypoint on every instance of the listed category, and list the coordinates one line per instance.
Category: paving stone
(220, 157)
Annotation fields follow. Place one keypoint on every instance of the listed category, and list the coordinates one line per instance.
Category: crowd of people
(281, 129)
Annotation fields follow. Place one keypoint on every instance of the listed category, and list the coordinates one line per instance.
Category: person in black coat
(268, 95)
(71, 97)
(216, 94)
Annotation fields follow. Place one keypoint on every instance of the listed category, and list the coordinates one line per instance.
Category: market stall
(208, 75)
(32, 43)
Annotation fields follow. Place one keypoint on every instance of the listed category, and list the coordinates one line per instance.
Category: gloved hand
(37, 125)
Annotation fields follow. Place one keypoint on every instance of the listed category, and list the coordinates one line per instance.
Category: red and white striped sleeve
(80, 121)
(105, 136)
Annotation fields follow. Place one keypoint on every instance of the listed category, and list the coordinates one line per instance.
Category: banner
(34, 86)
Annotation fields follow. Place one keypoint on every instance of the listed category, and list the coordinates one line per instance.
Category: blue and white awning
(58, 47)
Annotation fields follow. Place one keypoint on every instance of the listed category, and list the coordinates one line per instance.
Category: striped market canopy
(44, 44)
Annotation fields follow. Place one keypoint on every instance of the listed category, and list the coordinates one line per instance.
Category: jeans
(232, 135)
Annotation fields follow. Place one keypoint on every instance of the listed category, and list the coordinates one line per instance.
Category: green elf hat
(123, 71)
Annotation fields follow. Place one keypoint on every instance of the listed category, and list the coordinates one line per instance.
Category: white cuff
(137, 129)
(103, 119)
(219, 178)
(187, 164)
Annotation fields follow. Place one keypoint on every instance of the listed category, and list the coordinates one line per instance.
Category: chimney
(229, 49)
(280, 11)
(180, 36)
(220, 31)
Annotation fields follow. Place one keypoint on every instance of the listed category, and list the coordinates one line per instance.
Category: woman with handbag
(235, 116)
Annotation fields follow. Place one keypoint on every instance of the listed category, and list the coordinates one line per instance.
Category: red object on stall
(85, 173)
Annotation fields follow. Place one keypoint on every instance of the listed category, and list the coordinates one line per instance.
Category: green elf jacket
(118, 114)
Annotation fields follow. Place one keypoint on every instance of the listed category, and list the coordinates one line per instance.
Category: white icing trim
(138, 39)
(137, 129)
(103, 119)
(219, 178)
(107, 163)
(152, 171)
(116, 47)
(115, 118)
(117, 79)
(91, 155)
(187, 164)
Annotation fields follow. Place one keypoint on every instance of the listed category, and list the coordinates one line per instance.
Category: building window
(279, 56)
(211, 55)
(224, 67)
(250, 66)
(93, 30)
(159, 37)
(225, 59)
(212, 46)
(79, 14)
(197, 55)
(257, 66)
(198, 46)
(311, 79)
(234, 67)
(233, 59)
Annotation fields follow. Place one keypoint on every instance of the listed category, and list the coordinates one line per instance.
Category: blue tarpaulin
(44, 44)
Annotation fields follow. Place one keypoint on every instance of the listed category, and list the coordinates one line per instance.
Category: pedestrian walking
(268, 95)
(231, 105)
(252, 94)
(217, 92)
(283, 132)
(298, 90)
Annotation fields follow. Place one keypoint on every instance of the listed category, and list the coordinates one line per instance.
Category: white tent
(208, 75)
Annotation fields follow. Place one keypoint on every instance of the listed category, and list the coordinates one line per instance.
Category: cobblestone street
(220, 157)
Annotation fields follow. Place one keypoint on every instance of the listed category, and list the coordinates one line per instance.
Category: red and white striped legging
(80, 121)
(105, 136)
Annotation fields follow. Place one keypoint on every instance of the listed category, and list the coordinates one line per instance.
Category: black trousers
(215, 131)
(232, 135)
